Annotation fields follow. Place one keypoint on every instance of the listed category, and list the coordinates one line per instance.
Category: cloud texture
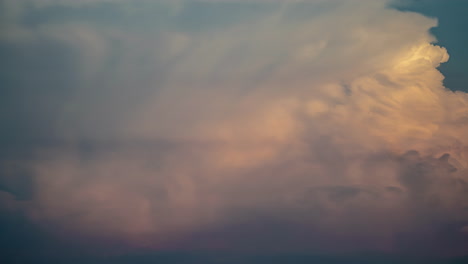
(286, 126)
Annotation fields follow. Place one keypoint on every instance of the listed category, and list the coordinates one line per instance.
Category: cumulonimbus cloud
(299, 126)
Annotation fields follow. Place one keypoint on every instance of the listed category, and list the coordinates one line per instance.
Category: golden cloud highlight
(332, 126)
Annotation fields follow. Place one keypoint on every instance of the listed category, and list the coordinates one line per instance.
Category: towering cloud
(290, 126)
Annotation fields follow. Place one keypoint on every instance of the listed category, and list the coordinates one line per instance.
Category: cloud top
(311, 125)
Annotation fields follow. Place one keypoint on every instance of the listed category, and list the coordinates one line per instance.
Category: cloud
(320, 125)
(464, 229)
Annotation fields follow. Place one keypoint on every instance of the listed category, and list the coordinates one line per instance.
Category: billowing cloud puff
(307, 125)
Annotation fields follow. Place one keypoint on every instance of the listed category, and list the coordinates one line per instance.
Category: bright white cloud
(325, 122)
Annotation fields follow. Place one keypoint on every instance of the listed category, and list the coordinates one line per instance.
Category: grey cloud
(327, 132)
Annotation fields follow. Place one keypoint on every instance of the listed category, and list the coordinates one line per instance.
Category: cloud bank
(262, 126)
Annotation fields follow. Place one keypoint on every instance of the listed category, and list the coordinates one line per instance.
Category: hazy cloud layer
(286, 126)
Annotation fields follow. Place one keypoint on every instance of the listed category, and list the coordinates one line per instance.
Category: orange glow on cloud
(334, 124)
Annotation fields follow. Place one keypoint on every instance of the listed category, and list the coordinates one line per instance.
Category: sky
(230, 131)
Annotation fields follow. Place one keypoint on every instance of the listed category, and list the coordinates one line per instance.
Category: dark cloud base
(31, 107)
(222, 258)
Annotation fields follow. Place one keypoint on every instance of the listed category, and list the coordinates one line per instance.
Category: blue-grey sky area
(231, 131)
(451, 33)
